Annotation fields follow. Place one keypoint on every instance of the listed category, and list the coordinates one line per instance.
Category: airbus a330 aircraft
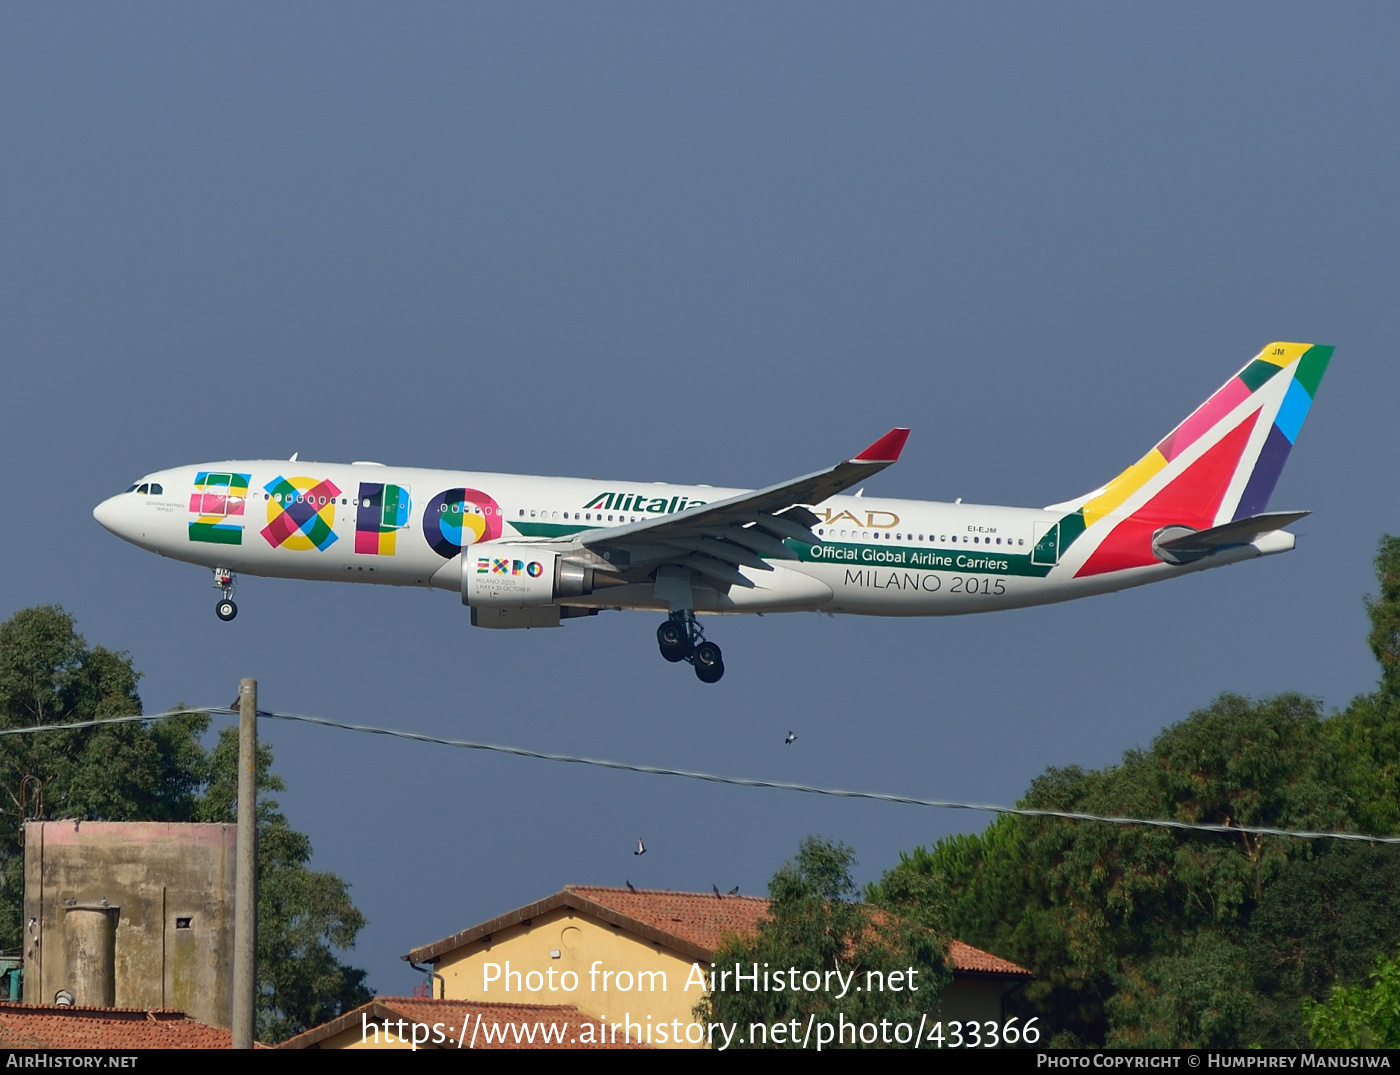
(526, 551)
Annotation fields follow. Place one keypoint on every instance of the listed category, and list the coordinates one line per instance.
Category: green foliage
(816, 924)
(1322, 919)
(1189, 998)
(160, 772)
(1150, 937)
(1359, 1017)
(1384, 611)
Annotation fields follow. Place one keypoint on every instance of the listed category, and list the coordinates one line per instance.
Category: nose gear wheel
(225, 609)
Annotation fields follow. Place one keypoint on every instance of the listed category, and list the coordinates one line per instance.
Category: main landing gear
(225, 609)
(681, 639)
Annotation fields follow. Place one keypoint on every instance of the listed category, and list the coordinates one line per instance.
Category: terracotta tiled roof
(39, 1026)
(690, 923)
(967, 959)
(453, 1015)
(700, 918)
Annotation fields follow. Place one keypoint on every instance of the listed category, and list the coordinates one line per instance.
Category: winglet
(886, 449)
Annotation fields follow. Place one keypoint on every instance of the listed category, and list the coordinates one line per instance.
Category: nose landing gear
(681, 639)
(225, 609)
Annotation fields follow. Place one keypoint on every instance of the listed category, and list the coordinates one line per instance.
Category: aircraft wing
(715, 539)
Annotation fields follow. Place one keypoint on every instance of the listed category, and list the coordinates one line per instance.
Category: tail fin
(1219, 465)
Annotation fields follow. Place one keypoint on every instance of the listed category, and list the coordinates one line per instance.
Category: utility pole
(245, 927)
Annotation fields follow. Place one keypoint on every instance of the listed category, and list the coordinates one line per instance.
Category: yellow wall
(581, 941)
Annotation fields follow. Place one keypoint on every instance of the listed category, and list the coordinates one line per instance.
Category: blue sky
(724, 244)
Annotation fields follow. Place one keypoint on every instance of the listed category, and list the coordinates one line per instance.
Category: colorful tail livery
(1218, 466)
(530, 551)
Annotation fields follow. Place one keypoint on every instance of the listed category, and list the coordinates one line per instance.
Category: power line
(140, 719)
(713, 778)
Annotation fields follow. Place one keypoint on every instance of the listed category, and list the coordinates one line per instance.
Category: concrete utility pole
(245, 926)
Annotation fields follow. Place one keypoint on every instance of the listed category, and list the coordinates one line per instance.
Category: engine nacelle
(518, 576)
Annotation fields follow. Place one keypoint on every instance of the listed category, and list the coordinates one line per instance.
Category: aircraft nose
(108, 513)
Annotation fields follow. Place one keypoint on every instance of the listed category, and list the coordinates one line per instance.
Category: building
(134, 915)
(43, 1026)
(618, 952)
(423, 1023)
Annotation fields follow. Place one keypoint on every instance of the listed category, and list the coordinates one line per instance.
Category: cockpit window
(131, 488)
(157, 489)
(143, 488)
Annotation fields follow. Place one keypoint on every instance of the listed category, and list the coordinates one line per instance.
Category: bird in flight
(631, 887)
(641, 847)
(790, 738)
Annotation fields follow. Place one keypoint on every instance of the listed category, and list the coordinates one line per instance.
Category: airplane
(528, 551)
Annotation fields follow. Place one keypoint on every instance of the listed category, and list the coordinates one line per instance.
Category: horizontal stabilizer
(1180, 544)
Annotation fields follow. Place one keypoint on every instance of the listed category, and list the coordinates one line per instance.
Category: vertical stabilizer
(1218, 465)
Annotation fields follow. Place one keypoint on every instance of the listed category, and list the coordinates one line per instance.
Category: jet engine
(518, 576)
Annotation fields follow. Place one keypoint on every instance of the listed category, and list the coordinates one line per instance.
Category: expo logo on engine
(490, 565)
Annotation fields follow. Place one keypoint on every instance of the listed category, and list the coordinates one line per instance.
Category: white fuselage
(875, 556)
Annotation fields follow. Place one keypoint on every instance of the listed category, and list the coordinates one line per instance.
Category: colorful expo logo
(300, 513)
(489, 565)
(218, 500)
(457, 518)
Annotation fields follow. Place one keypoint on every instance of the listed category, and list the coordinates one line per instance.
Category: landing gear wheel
(709, 663)
(671, 637)
(226, 610)
(681, 639)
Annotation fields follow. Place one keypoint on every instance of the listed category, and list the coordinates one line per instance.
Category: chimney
(90, 940)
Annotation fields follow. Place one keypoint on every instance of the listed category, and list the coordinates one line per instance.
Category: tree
(123, 772)
(160, 772)
(1138, 935)
(1384, 612)
(815, 923)
(1360, 1017)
